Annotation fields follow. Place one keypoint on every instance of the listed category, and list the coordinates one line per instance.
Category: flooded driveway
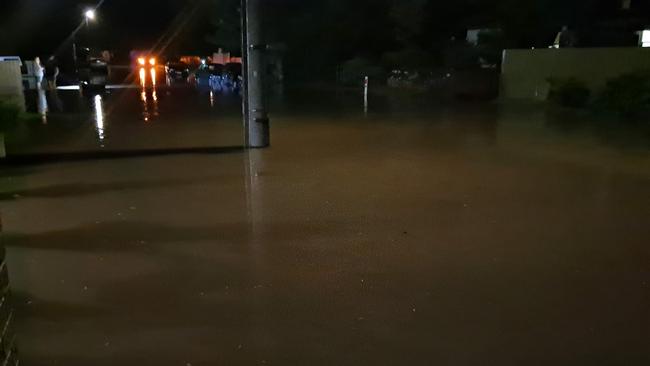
(414, 235)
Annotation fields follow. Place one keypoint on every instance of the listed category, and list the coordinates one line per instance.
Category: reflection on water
(149, 110)
(42, 105)
(365, 97)
(154, 97)
(158, 116)
(143, 77)
(55, 101)
(99, 118)
(145, 105)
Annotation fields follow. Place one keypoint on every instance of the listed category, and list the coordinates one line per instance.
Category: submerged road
(411, 236)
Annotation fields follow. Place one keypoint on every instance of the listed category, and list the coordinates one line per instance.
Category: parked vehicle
(92, 70)
(177, 71)
(93, 74)
(209, 76)
(232, 77)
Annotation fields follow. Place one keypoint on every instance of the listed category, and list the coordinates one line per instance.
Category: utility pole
(256, 120)
(74, 52)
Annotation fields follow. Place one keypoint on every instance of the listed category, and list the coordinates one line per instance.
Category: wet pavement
(414, 235)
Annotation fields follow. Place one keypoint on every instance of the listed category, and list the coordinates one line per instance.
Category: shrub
(569, 92)
(628, 93)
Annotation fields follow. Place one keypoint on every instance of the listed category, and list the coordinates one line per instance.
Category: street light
(90, 14)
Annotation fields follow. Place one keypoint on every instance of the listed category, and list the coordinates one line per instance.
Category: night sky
(39, 27)
(317, 35)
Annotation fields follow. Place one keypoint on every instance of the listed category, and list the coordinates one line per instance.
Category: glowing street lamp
(89, 15)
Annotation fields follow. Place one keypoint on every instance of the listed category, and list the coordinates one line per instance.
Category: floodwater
(417, 234)
(127, 118)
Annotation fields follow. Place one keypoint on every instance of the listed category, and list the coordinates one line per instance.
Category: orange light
(152, 61)
(153, 77)
(141, 61)
(143, 77)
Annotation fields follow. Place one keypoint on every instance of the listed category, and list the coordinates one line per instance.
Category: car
(92, 71)
(146, 66)
(232, 77)
(93, 74)
(209, 76)
(177, 70)
(146, 60)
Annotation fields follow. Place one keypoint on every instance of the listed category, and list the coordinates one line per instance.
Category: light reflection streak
(143, 77)
(154, 97)
(145, 105)
(99, 117)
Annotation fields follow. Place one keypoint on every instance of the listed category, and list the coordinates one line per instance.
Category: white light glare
(90, 14)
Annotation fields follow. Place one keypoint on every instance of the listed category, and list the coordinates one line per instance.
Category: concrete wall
(11, 82)
(525, 72)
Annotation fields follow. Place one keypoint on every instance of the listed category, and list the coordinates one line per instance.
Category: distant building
(223, 58)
